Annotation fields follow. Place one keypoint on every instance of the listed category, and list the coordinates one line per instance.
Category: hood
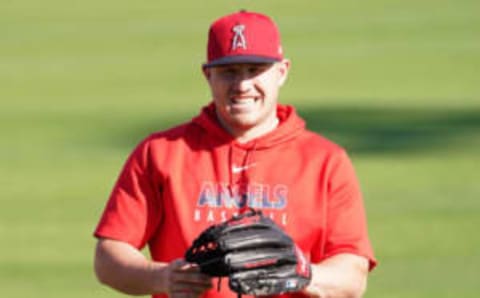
(289, 127)
(232, 157)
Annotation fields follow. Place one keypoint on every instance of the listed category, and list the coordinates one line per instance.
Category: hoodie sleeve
(346, 230)
(133, 209)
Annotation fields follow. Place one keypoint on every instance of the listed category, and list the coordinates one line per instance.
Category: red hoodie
(178, 182)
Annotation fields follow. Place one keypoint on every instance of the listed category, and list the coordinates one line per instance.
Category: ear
(283, 69)
(206, 72)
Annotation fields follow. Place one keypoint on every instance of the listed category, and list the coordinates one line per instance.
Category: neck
(255, 132)
(244, 135)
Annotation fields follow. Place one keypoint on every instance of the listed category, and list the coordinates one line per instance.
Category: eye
(227, 72)
(257, 68)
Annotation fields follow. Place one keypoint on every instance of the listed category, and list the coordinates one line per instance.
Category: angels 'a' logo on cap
(239, 40)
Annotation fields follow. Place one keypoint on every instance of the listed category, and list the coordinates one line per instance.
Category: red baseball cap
(243, 37)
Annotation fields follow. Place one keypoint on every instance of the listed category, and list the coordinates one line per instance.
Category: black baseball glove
(258, 257)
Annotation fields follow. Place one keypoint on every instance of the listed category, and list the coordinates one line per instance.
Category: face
(246, 95)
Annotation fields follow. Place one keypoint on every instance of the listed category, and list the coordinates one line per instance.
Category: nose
(243, 82)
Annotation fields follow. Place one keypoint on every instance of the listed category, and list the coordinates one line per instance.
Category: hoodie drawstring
(246, 169)
(230, 170)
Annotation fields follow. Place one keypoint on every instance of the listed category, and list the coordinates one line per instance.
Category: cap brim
(241, 59)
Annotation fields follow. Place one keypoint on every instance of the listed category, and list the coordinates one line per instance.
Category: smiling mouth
(243, 104)
(243, 100)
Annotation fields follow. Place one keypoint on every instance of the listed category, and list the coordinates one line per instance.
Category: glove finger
(255, 238)
(258, 258)
(244, 242)
(214, 267)
(239, 240)
(266, 272)
(255, 221)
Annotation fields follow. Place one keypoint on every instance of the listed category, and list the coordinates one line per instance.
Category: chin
(243, 124)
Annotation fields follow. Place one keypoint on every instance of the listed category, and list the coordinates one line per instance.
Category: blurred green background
(395, 82)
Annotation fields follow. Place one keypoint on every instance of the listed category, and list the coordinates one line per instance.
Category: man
(244, 150)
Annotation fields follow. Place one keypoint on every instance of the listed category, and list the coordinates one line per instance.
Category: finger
(184, 266)
(197, 290)
(179, 287)
(181, 270)
(192, 282)
(183, 294)
(191, 278)
(191, 292)
(177, 264)
(183, 286)
(188, 274)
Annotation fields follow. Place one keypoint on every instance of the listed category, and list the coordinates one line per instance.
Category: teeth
(244, 101)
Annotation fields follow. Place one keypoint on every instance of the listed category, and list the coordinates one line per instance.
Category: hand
(184, 280)
(341, 275)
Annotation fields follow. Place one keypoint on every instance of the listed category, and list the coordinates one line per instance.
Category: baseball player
(244, 150)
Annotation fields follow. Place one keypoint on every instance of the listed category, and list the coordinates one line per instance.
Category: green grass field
(395, 82)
